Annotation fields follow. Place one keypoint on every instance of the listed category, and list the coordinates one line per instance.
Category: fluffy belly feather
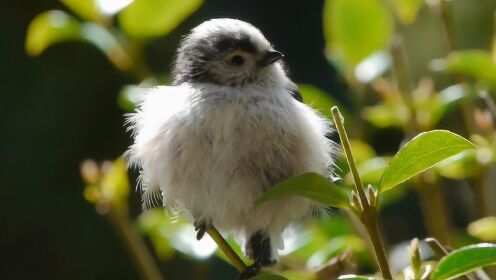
(226, 155)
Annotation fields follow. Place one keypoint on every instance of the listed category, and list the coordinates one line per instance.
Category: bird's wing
(293, 90)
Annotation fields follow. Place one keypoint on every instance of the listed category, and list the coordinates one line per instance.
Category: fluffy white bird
(232, 126)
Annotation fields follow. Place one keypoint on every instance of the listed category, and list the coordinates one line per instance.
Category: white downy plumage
(212, 150)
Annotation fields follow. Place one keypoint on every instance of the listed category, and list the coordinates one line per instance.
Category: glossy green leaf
(355, 29)
(49, 28)
(421, 153)
(317, 99)
(474, 63)
(407, 10)
(483, 229)
(465, 260)
(356, 277)
(86, 9)
(310, 185)
(267, 276)
(151, 18)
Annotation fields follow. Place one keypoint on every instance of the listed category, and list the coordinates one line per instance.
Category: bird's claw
(250, 271)
(201, 228)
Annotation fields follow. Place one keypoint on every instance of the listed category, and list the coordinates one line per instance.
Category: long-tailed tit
(230, 127)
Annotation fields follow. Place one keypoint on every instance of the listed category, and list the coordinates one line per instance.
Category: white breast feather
(212, 151)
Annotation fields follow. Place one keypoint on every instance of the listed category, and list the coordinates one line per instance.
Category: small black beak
(269, 58)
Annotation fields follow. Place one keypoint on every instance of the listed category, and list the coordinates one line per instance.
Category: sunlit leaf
(483, 229)
(151, 18)
(465, 260)
(267, 276)
(474, 63)
(86, 9)
(49, 28)
(54, 27)
(310, 185)
(357, 277)
(317, 98)
(355, 29)
(421, 153)
(407, 10)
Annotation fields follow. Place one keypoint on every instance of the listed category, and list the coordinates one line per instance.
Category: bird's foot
(250, 271)
(201, 227)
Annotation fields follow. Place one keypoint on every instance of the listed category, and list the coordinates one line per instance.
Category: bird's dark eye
(237, 60)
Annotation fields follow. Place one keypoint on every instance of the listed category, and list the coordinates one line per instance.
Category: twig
(367, 208)
(226, 248)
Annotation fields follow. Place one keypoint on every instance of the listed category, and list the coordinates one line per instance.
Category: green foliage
(474, 63)
(151, 18)
(87, 9)
(407, 10)
(355, 29)
(483, 229)
(421, 153)
(49, 28)
(465, 260)
(357, 277)
(310, 185)
(267, 276)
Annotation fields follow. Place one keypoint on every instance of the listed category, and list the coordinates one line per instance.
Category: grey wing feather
(293, 90)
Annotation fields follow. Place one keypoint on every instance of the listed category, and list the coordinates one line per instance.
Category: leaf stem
(367, 211)
(226, 248)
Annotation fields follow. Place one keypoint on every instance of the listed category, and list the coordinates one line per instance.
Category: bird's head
(225, 52)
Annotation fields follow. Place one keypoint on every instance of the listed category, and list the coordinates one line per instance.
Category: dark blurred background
(60, 108)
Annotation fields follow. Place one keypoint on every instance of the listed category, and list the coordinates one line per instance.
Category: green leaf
(310, 185)
(421, 153)
(317, 99)
(483, 229)
(49, 28)
(465, 260)
(86, 9)
(474, 63)
(151, 18)
(407, 10)
(356, 277)
(267, 276)
(355, 29)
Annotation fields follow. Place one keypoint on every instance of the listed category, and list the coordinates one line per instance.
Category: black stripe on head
(230, 42)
